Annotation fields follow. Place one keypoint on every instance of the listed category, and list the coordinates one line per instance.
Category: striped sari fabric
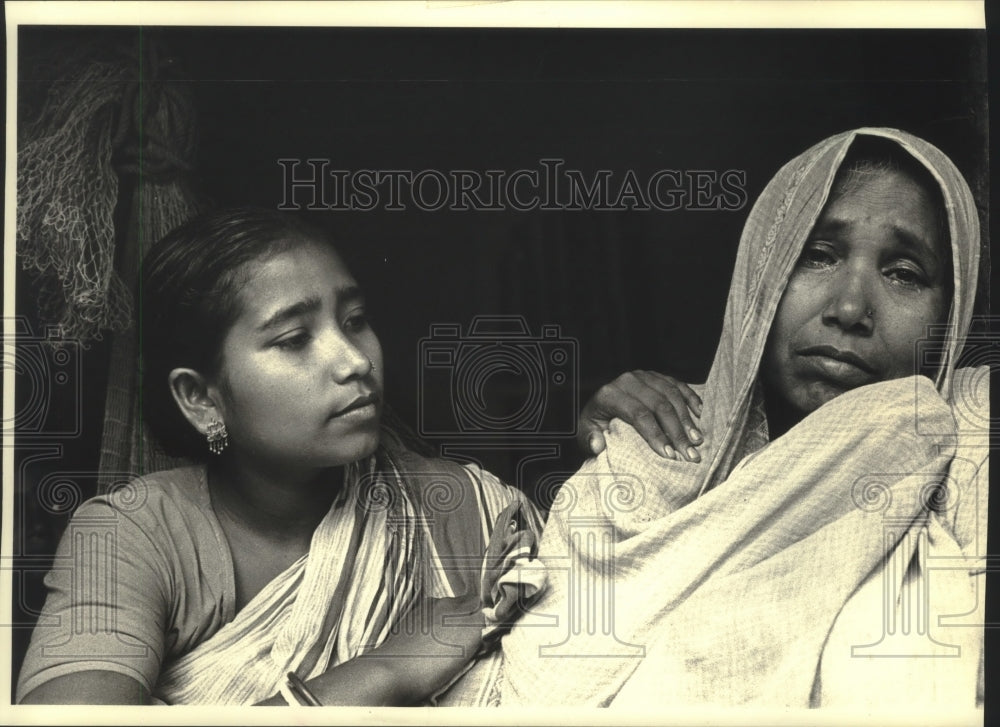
(404, 528)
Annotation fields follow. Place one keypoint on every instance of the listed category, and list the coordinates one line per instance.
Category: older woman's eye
(816, 255)
(907, 275)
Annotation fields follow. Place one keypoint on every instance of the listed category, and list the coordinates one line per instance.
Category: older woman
(825, 551)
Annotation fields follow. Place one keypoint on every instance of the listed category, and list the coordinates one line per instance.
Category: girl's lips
(359, 413)
(362, 407)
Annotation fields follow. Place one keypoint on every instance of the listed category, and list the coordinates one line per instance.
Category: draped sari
(123, 597)
(839, 564)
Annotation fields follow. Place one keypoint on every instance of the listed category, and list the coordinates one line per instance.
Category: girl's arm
(407, 668)
(89, 687)
(108, 578)
(436, 640)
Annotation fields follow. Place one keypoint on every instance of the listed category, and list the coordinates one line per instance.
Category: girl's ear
(194, 398)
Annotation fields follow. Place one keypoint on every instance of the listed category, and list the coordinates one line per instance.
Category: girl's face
(300, 383)
(873, 275)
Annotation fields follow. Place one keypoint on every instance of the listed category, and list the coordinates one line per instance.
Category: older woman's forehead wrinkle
(886, 199)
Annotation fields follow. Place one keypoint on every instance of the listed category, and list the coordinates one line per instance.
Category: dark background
(639, 289)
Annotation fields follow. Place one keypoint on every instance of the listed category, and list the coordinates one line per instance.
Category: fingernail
(669, 452)
(694, 434)
(693, 455)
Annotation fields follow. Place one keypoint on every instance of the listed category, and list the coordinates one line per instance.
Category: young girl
(306, 540)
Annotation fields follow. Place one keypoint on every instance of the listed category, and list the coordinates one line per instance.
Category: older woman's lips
(845, 368)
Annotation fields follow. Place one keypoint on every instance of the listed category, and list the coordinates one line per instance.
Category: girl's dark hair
(187, 301)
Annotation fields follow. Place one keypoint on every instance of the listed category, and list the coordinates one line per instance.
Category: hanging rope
(154, 152)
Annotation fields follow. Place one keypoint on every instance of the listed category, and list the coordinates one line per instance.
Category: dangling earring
(217, 436)
(371, 363)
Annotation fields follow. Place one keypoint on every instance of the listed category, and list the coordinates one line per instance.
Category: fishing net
(66, 195)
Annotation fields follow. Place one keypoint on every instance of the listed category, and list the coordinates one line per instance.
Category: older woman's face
(872, 276)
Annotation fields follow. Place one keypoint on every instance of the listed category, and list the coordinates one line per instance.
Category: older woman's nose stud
(870, 312)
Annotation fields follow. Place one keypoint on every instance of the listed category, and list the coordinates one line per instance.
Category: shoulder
(168, 498)
(442, 483)
(163, 517)
(457, 494)
(628, 474)
(628, 454)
